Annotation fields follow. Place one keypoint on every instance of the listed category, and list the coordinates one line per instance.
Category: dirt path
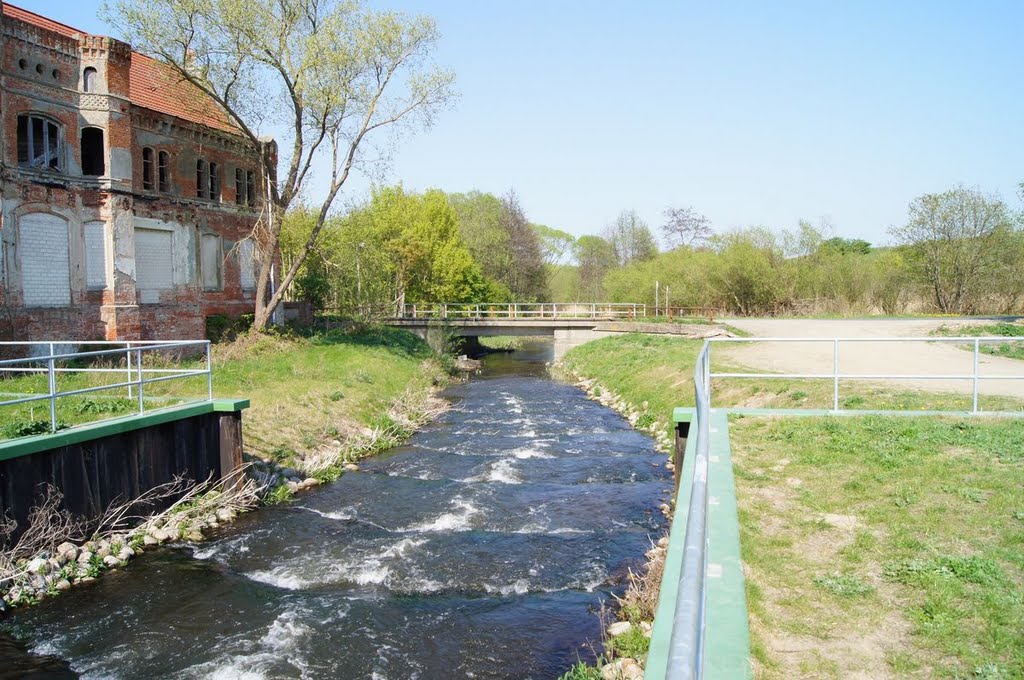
(903, 358)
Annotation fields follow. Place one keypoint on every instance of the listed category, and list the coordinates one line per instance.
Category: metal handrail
(524, 310)
(686, 650)
(836, 376)
(136, 372)
(686, 657)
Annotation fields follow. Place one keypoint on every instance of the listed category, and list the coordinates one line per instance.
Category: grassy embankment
(308, 393)
(885, 545)
(1011, 349)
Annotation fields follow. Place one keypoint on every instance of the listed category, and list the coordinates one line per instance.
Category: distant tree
(631, 238)
(846, 246)
(952, 238)
(685, 227)
(327, 74)
(595, 257)
(555, 244)
(527, 278)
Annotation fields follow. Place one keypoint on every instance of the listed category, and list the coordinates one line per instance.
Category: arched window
(250, 188)
(201, 178)
(164, 172)
(39, 143)
(214, 182)
(89, 79)
(147, 168)
(239, 186)
(93, 153)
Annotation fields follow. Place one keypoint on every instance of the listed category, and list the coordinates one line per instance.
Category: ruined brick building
(127, 198)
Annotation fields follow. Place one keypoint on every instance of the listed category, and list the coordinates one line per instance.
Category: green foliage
(843, 585)
(280, 494)
(222, 328)
(632, 644)
(95, 406)
(581, 671)
(27, 428)
(646, 420)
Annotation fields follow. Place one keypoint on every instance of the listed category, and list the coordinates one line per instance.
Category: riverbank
(643, 377)
(319, 403)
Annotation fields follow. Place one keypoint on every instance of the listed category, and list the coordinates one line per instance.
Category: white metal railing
(975, 376)
(686, 650)
(129, 357)
(525, 311)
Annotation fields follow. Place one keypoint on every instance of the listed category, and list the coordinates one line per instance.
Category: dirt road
(877, 357)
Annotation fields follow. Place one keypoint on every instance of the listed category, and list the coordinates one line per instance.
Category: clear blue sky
(753, 112)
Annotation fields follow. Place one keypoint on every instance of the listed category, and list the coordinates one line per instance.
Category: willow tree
(322, 75)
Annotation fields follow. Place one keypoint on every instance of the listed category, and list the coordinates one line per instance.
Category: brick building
(127, 198)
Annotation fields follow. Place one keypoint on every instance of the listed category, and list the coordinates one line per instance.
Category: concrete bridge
(570, 324)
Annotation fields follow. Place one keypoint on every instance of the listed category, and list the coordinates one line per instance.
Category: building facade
(127, 198)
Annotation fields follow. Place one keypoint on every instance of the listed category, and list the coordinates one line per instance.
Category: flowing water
(480, 549)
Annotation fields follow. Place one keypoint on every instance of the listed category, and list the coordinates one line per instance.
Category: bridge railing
(120, 378)
(526, 310)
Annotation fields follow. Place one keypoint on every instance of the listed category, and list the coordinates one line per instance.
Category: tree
(951, 237)
(328, 73)
(685, 227)
(527, 279)
(595, 257)
(630, 238)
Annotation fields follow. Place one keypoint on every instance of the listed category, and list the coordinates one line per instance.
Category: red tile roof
(155, 85)
(152, 84)
(41, 21)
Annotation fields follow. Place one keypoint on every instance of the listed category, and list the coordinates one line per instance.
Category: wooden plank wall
(92, 475)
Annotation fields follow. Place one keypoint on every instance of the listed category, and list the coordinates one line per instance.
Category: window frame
(250, 188)
(163, 172)
(89, 74)
(102, 163)
(214, 173)
(147, 168)
(202, 178)
(28, 159)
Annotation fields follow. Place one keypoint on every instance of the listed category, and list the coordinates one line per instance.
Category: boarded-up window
(154, 263)
(211, 262)
(45, 268)
(247, 264)
(95, 255)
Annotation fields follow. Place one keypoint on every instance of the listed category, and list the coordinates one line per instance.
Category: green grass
(900, 536)
(909, 525)
(303, 390)
(659, 370)
(1010, 350)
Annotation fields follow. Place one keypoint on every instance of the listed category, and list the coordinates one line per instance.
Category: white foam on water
(569, 530)
(525, 452)
(285, 632)
(457, 520)
(343, 515)
(399, 549)
(513, 403)
(520, 587)
(279, 577)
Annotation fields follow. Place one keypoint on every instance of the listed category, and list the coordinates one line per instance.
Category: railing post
(593, 311)
(835, 374)
(977, 352)
(209, 373)
(53, 391)
(138, 361)
(128, 362)
(444, 310)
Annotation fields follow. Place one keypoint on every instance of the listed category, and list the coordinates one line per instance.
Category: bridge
(570, 323)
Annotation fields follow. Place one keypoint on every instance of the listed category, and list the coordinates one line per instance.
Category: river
(480, 549)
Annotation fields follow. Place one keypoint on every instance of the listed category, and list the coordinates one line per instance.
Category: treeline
(959, 252)
(402, 247)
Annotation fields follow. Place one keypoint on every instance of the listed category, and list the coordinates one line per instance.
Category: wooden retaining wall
(105, 463)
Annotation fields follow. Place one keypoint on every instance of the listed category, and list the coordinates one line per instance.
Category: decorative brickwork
(71, 255)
